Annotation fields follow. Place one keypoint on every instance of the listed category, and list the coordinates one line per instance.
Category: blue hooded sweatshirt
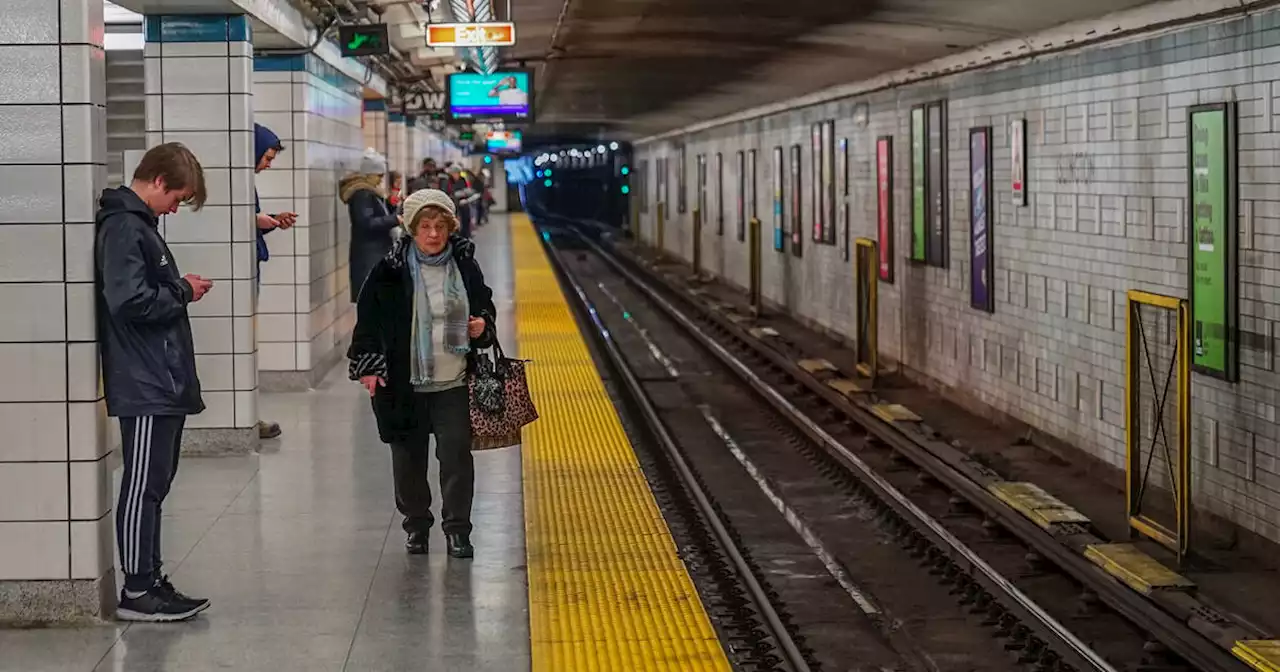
(263, 139)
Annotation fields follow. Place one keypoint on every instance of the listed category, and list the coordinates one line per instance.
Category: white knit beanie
(372, 163)
(424, 197)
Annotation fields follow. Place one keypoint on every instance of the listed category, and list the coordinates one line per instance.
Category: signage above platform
(498, 34)
(364, 40)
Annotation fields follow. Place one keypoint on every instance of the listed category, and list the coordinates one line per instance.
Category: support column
(198, 72)
(56, 536)
(375, 124)
(305, 317)
(397, 145)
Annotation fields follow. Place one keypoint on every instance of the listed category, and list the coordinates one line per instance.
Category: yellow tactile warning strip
(1261, 654)
(606, 588)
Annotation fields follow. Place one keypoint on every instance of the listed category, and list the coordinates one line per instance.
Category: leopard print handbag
(500, 402)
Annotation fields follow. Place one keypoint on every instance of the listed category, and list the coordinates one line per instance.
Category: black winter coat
(371, 225)
(148, 357)
(381, 346)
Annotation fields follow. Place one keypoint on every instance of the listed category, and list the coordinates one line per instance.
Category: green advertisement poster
(918, 203)
(1212, 239)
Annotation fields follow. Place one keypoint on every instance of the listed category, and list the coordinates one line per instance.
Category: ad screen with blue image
(501, 95)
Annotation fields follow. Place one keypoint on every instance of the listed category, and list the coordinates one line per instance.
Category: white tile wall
(52, 168)
(196, 95)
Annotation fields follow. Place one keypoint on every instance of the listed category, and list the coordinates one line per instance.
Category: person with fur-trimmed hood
(371, 222)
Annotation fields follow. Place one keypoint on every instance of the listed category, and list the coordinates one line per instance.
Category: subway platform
(300, 548)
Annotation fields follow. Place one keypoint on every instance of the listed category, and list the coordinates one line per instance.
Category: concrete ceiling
(630, 68)
(636, 67)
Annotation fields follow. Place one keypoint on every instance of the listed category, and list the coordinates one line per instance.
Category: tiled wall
(305, 317)
(55, 485)
(198, 93)
(1052, 353)
(398, 150)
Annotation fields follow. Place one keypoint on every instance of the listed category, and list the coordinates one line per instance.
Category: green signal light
(488, 159)
(546, 183)
(626, 189)
(548, 172)
(626, 170)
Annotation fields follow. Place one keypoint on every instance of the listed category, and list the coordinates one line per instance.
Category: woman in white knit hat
(371, 221)
(422, 313)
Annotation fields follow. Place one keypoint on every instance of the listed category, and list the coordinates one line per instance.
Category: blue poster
(501, 94)
(982, 265)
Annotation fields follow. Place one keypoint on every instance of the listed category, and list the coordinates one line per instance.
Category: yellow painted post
(697, 241)
(662, 229)
(757, 303)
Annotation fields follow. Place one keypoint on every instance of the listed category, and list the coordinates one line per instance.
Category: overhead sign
(422, 104)
(471, 34)
(365, 40)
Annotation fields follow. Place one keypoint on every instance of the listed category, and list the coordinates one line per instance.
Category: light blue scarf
(453, 336)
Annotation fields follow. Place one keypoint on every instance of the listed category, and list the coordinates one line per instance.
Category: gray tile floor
(301, 552)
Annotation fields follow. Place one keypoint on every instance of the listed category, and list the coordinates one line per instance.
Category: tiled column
(55, 462)
(198, 72)
(397, 144)
(375, 125)
(304, 315)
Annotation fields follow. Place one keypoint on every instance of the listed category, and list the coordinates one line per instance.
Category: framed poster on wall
(797, 203)
(919, 197)
(842, 186)
(752, 210)
(779, 222)
(742, 195)
(829, 182)
(681, 193)
(1018, 160)
(1213, 260)
(938, 234)
(815, 181)
(719, 167)
(982, 260)
(884, 205)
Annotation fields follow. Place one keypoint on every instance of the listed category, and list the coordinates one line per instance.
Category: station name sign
(496, 34)
(418, 103)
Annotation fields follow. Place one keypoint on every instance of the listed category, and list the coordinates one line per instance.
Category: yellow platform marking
(1138, 570)
(895, 413)
(606, 588)
(845, 386)
(1261, 654)
(1040, 507)
(816, 365)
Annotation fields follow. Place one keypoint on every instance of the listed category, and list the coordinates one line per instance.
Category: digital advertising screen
(503, 142)
(505, 95)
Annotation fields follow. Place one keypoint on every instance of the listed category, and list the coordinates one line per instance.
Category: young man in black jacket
(148, 364)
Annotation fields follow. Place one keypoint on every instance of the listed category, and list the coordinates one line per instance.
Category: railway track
(914, 569)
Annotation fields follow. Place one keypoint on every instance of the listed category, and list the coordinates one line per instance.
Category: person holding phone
(148, 364)
(266, 147)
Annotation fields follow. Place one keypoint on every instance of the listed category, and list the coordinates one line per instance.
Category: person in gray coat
(371, 221)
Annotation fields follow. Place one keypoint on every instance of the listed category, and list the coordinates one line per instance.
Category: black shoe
(416, 543)
(460, 546)
(268, 430)
(157, 606)
(164, 585)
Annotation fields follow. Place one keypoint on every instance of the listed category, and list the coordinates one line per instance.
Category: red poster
(884, 194)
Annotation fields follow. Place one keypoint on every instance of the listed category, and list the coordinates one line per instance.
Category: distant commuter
(148, 364)
(427, 177)
(423, 312)
(266, 147)
(371, 221)
(394, 184)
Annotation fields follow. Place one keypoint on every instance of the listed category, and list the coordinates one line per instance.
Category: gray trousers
(446, 415)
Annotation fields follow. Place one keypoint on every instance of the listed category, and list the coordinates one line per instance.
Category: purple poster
(982, 262)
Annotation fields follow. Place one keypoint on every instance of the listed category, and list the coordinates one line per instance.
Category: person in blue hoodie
(266, 146)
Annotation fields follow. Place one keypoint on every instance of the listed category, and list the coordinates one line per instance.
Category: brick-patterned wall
(1052, 353)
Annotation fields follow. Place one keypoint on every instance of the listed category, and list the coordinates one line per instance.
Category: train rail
(1052, 608)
